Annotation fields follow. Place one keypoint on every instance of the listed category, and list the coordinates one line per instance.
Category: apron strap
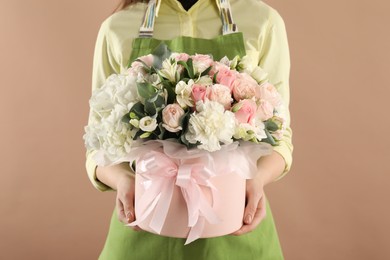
(228, 25)
(147, 26)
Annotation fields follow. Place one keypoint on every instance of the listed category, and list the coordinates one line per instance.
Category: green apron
(123, 243)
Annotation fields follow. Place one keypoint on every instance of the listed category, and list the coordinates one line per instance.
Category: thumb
(251, 207)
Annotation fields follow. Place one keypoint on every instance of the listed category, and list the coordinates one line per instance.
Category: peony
(244, 87)
(199, 92)
(171, 116)
(245, 111)
(201, 62)
(183, 93)
(268, 92)
(148, 124)
(221, 94)
(211, 125)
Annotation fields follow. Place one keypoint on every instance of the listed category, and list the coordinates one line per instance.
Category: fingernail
(129, 216)
(248, 219)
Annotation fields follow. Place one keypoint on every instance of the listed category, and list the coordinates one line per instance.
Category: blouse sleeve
(275, 59)
(104, 65)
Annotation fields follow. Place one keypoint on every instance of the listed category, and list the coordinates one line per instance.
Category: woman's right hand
(120, 178)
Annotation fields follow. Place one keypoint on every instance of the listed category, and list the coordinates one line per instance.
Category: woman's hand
(255, 210)
(269, 169)
(120, 178)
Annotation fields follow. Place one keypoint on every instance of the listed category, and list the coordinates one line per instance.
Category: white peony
(210, 126)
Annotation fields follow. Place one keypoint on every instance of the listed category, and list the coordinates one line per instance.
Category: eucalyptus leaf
(271, 126)
(138, 109)
(145, 90)
(160, 53)
(270, 139)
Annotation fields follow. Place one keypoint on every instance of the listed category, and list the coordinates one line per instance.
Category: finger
(128, 206)
(258, 217)
(120, 210)
(251, 207)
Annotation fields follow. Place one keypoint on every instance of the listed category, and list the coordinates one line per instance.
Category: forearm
(270, 167)
(111, 175)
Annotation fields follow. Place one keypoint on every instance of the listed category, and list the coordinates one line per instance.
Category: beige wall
(332, 205)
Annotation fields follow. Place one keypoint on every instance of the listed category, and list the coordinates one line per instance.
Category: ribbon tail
(196, 231)
(162, 208)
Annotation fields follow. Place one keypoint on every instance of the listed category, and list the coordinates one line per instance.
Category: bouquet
(190, 110)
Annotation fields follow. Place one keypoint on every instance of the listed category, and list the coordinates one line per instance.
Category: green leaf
(138, 109)
(190, 69)
(206, 72)
(215, 78)
(270, 139)
(271, 126)
(145, 90)
(154, 104)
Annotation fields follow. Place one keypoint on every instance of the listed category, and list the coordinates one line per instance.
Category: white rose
(148, 124)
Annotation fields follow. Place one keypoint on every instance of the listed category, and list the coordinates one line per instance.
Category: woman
(249, 27)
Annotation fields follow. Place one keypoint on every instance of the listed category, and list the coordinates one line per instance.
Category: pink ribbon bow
(162, 174)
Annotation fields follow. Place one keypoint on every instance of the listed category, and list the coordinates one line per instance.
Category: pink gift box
(229, 208)
(193, 193)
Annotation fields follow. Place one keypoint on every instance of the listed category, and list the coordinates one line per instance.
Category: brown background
(332, 205)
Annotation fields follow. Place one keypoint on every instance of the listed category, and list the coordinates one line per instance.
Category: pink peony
(244, 87)
(268, 92)
(221, 94)
(171, 116)
(245, 111)
(199, 92)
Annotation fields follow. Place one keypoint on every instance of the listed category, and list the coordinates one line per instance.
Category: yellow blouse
(265, 40)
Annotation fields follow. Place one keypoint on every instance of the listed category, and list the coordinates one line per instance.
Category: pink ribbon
(162, 174)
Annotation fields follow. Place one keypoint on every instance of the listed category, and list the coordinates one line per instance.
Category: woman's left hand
(255, 210)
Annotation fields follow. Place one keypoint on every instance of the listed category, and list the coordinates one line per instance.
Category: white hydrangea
(108, 105)
(210, 126)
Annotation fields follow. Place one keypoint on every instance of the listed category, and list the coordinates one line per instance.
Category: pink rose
(137, 66)
(201, 62)
(265, 110)
(181, 56)
(171, 116)
(221, 94)
(244, 87)
(199, 92)
(225, 75)
(245, 111)
(268, 92)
